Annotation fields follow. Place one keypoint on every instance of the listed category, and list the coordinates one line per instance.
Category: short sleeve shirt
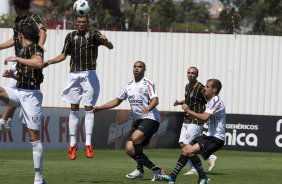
(139, 95)
(217, 122)
(27, 77)
(83, 49)
(33, 19)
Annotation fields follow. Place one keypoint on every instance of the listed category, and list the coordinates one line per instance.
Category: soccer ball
(81, 7)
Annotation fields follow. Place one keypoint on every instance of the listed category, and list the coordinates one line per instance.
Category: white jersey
(139, 95)
(217, 122)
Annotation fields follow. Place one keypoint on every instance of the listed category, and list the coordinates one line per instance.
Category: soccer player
(143, 98)
(192, 128)
(206, 144)
(27, 94)
(24, 17)
(82, 82)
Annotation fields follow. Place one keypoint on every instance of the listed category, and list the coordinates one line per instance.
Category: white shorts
(13, 67)
(82, 85)
(30, 102)
(189, 132)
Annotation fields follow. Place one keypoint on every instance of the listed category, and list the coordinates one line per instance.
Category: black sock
(196, 161)
(148, 163)
(179, 165)
(139, 157)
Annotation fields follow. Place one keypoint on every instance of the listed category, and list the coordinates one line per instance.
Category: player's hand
(8, 74)
(144, 111)
(96, 109)
(9, 59)
(176, 103)
(185, 107)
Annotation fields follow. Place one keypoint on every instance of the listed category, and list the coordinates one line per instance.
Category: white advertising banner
(54, 131)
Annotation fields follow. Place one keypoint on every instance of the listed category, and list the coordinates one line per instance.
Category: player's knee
(129, 149)
(3, 93)
(187, 150)
(136, 140)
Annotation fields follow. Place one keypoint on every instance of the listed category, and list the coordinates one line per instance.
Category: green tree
(262, 16)
(165, 12)
(7, 21)
(188, 11)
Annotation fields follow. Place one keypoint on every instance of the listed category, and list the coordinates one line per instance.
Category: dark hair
(215, 83)
(29, 32)
(144, 65)
(193, 67)
(87, 18)
(21, 4)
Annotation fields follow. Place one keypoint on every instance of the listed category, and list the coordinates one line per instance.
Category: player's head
(212, 88)
(81, 23)
(139, 69)
(20, 5)
(27, 32)
(192, 74)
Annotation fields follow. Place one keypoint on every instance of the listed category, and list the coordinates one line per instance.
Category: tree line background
(263, 17)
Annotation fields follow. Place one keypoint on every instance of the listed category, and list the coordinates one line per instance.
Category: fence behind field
(247, 65)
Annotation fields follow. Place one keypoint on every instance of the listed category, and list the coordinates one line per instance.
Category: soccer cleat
(204, 181)
(135, 174)
(191, 172)
(212, 162)
(89, 151)
(156, 173)
(72, 152)
(167, 178)
(5, 125)
(8, 124)
(40, 182)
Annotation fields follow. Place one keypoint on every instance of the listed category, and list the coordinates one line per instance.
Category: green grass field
(109, 166)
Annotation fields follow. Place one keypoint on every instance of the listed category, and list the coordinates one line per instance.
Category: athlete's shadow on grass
(108, 181)
(215, 174)
(115, 181)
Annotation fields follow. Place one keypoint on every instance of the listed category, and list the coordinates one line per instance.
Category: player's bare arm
(202, 117)
(57, 59)
(9, 43)
(109, 105)
(35, 62)
(42, 38)
(154, 102)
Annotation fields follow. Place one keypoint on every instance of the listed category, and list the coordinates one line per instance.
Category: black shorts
(148, 126)
(208, 145)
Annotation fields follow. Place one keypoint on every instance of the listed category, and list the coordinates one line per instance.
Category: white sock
(73, 123)
(37, 151)
(212, 157)
(89, 124)
(2, 121)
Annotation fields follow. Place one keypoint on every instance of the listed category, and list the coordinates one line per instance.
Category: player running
(143, 98)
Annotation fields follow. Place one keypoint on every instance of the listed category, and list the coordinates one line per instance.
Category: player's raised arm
(9, 43)
(57, 59)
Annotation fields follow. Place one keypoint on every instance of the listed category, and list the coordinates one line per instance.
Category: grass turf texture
(109, 166)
